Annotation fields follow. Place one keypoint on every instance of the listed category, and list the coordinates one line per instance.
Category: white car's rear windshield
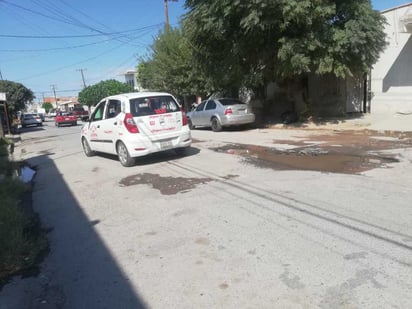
(153, 105)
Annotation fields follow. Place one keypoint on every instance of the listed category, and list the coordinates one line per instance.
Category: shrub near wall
(22, 241)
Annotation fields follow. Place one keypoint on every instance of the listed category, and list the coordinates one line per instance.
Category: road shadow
(155, 158)
(80, 271)
(23, 130)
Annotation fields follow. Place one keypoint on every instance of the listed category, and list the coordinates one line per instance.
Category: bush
(22, 240)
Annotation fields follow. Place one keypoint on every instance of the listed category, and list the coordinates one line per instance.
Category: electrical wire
(77, 36)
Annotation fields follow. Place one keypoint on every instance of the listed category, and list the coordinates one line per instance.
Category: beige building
(391, 76)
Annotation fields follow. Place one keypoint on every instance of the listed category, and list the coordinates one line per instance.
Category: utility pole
(1, 75)
(167, 13)
(54, 92)
(81, 71)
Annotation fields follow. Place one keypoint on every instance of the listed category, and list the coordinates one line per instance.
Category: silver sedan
(219, 113)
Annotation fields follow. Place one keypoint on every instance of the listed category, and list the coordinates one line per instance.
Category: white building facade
(391, 76)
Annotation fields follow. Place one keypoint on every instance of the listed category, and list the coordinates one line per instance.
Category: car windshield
(227, 102)
(29, 116)
(153, 105)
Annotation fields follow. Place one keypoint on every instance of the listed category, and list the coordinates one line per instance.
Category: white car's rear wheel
(124, 156)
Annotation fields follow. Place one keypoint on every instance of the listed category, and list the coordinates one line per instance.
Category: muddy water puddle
(166, 185)
(348, 152)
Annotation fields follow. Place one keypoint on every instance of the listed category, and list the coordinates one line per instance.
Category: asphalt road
(211, 230)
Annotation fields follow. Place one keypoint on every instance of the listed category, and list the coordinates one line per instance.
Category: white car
(136, 124)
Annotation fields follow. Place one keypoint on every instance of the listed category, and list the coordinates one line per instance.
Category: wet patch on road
(202, 241)
(166, 185)
(290, 280)
(230, 176)
(47, 152)
(348, 152)
(355, 255)
(343, 295)
(365, 140)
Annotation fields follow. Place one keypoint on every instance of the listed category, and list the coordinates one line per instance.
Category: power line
(73, 64)
(53, 49)
(37, 13)
(65, 19)
(76, 36)
(57, 91)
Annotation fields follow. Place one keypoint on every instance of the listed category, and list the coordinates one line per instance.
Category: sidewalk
(376, 122)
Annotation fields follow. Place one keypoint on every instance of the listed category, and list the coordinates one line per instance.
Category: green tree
(47, 106)
(248, 43)
(170, 66)
(93, 94)
(17, 95)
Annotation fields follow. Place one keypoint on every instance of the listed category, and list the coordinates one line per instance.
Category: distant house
(62, 103)
(130, 78)
(391, 76)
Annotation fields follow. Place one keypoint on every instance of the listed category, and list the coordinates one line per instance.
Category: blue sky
(48, 42)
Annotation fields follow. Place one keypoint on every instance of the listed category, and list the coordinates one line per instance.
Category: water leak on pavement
(349, 152)
(166, 185)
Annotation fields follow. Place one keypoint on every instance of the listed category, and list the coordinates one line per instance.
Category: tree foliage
(170, 66)
(17, 95)
(93, 94)
(47, 106)
(251, 42)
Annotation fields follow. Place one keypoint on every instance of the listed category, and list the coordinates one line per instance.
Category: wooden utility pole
(3, 101)
(167, 13)
(54, 92)
(81, 71)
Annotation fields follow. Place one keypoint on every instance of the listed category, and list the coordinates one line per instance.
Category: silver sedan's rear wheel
(86, 148)
(124, 156)
(216, 126)
(190, 123)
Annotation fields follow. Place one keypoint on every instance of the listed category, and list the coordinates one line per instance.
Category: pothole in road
(166, 185)
(342, 152)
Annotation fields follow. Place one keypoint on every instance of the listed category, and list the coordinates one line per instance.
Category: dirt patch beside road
(348, 152)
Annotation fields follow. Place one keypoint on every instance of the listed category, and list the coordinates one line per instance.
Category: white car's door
(94, 131)
(108, 126)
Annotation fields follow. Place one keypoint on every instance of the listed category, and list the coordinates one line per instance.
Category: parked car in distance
(80, 113)
(41, 115)
(65, 118)
(30, 119)
(136, 124)
(219, 113)
(51, 113)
